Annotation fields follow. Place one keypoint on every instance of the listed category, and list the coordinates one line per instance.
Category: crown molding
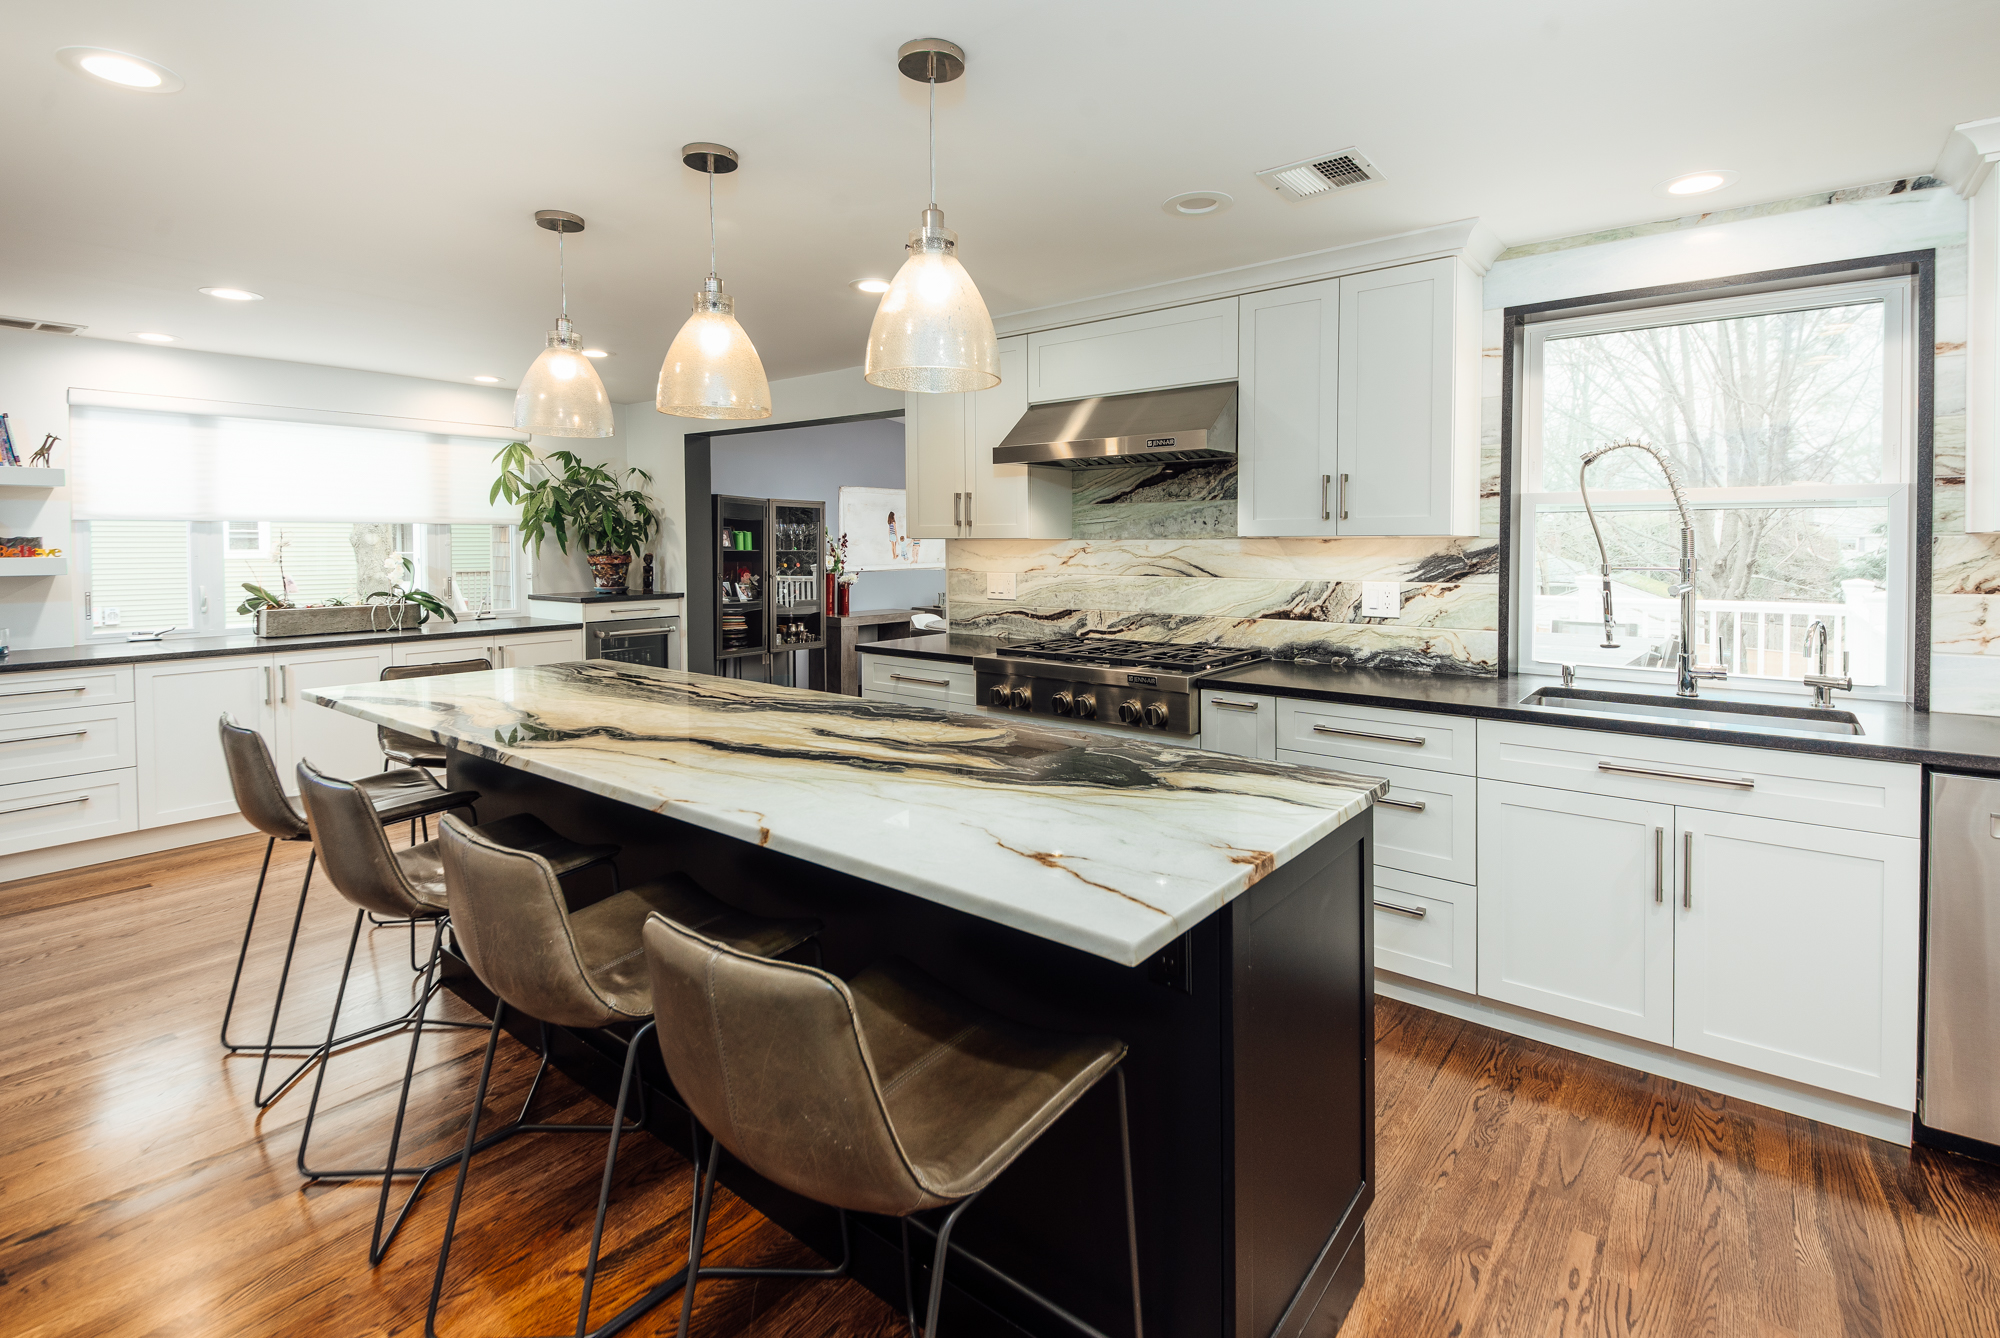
(1970, 151)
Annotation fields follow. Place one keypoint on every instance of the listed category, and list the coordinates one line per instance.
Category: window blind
(141, 464)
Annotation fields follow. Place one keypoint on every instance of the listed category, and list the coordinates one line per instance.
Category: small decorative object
(847, 593)
(41, 456)
(647, 588)
(7, 455)
(23, 547)
(562, 495)
(836, 566)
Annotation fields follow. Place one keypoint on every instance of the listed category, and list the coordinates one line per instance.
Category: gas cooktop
(1128, 653)
(1116, 682)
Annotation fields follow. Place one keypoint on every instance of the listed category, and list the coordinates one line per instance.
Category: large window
(1788, 415)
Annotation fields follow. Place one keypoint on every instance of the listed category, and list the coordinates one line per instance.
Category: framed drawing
(874, 523)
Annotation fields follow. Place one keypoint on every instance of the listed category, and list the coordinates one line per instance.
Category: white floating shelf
(23, 476)
(45, 566)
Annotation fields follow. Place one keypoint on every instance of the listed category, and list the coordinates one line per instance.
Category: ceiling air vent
(47, 327)
(1322, 175)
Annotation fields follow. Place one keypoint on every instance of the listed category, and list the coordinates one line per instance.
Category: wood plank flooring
(1524, 1190)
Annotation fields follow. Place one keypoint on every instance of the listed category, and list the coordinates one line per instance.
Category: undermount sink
(1694, 711)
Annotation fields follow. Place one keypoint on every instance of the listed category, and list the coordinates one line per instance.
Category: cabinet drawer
(1848, 792)
(37, 814)
(1240, 724)
(1365, 733)
(928, 681)
(1428, 823)
(39, 745)
(1426, 928)
(81, 687)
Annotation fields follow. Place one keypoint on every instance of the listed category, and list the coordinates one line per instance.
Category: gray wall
(817, 462)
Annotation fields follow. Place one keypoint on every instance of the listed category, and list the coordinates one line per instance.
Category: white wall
(37, 372)
(654, 441)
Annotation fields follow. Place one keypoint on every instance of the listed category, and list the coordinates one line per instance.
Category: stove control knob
(1129, 712)
(1062, 704)
(1086, 706)
(1156, 714)
(1000, 695)
(1022, 699)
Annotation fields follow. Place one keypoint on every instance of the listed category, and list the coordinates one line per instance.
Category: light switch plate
(1381, 599)
(999, 585)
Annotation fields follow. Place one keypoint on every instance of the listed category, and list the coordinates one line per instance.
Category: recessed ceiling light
(487, 380)
(870, 285)
(595, 353)
(153, 338)
(121, 68)
(234, 294)
(1196, 203)
(1698, 183)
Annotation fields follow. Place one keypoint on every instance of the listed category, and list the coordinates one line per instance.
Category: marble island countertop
(1110, 846)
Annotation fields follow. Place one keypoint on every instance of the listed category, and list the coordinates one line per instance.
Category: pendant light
(561, 395)
(712, 369)
(932, 333)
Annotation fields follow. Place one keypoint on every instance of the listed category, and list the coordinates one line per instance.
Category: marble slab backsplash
(1156, 556)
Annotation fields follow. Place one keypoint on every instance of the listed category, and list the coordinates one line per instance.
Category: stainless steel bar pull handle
(1724, 782)
(41, 692)
(1409, 805)
(1414, 912)
(1404, 739)
(284, 682)
(1687, 871)
(968, 510)
(267, 685)
(1233, 705)
(1325, 511)
(958, 510)
(928, 682)
(1341, 497)
(53, 803)
(37, 738)
(1659, 865)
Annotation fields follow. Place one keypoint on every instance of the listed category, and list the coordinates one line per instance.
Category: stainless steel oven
(654, 641)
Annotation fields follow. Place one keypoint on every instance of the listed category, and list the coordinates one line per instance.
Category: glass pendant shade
(932, 333)
(712, 370)
(561, 396)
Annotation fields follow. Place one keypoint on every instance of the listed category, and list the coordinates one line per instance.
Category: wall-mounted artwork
(875, 522)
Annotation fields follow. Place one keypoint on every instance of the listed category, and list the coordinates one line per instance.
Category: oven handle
(605, 632)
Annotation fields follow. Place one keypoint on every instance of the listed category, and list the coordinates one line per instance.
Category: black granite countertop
(244, 643)
(605, 597)
(1892, 732)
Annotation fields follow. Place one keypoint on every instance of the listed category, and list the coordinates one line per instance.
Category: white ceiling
(371, 167)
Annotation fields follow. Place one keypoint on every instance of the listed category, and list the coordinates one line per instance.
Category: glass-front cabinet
(770, 579)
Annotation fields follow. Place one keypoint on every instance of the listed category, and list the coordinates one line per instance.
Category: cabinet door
(181, 772)
(1239, 724)
(524, 652)
(937, 431)
(442, 650)
(1285, 419)
(1180, 346)
(338, 744)
(1573, 913)
(1010, 501)
(1796, 952)
(1399, 441)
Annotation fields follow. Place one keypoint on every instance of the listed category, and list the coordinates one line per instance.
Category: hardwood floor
(1524, 1190)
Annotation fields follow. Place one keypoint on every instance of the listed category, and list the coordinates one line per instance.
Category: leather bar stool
(585, 970)
(401, 884)
(884, 1094)
(404, 794)
(410, 750)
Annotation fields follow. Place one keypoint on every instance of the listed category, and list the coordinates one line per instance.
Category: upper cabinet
(1180, 346)
(1359, 405)
(953, 489)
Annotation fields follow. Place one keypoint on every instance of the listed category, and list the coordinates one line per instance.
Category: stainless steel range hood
(1189, 423)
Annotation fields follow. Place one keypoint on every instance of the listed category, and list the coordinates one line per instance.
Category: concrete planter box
(339, 618)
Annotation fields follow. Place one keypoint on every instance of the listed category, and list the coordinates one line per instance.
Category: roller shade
(143, 464)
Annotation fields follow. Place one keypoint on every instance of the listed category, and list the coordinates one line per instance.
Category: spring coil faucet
(1685, 674)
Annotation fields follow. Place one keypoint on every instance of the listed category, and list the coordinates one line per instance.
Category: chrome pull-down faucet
(1821, 683)
(1685, 673)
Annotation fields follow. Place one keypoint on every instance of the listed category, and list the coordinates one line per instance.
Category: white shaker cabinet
(1796, 952)
(1240, 724)
(338, 744)
(1574, 914)
(181, 774)
(1358, 407)
(951, 485)
(525, 652)
(1176, 346)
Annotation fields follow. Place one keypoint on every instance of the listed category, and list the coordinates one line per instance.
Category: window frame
(1899, 493)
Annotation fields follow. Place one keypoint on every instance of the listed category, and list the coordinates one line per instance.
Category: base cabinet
(181, 773)
(340, 745)
(1573, 913)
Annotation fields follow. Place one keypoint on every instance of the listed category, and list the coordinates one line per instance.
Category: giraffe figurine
(41, 455)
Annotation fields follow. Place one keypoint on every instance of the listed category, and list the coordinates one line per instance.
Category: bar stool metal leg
(704, 1199)
(243, 954)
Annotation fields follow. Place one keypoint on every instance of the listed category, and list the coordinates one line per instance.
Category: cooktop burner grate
(1124, 652)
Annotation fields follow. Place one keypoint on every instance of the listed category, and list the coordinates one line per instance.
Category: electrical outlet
(999, 585)
(1381, 599)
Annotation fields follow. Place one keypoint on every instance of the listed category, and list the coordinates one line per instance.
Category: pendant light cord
(711, 215)
(562, 272)
(933, 83)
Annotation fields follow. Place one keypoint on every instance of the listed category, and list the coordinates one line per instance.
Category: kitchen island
(1212, 911)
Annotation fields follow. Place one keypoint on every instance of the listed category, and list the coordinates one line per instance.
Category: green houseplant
(609, 514)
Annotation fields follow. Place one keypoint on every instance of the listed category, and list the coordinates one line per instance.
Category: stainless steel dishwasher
(1961, 1083)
